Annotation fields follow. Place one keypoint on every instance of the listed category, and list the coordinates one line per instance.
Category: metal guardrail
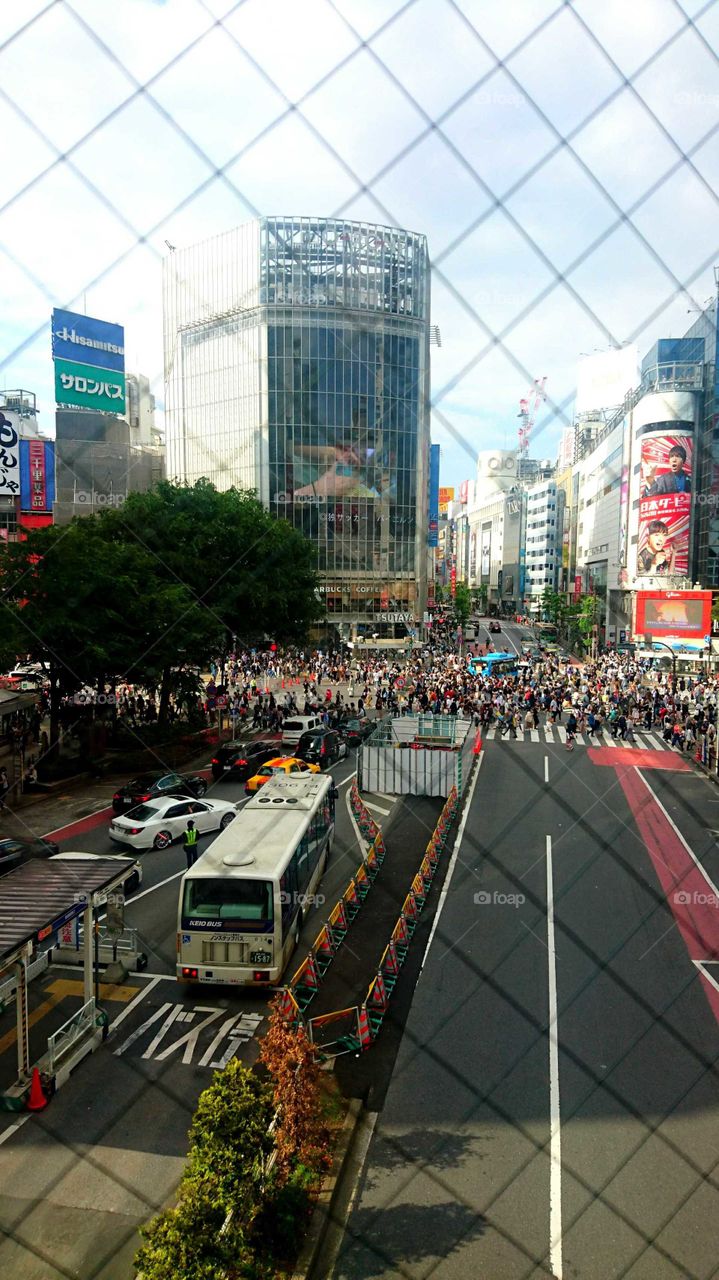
(62, 1041)
(38, 965)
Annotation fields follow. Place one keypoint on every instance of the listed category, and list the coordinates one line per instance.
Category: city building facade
(27, 467)
(297, 365)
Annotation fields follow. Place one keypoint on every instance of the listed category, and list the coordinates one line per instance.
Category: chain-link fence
(561, 158)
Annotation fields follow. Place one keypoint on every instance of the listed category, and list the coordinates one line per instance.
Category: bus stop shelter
(35, 901)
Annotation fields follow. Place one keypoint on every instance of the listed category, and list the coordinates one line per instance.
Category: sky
(569, 195)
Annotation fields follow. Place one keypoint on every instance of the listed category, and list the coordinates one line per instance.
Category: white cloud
(60, 243)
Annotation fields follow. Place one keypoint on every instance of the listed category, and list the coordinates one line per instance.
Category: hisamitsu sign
(88, 387)
(95, 342)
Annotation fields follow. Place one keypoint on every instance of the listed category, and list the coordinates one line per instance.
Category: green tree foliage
(462, 603)
(246, 1192)
(154, 588)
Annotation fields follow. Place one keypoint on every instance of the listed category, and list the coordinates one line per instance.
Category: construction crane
(528, 407)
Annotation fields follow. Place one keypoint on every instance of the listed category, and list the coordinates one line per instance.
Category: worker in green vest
(190, 843)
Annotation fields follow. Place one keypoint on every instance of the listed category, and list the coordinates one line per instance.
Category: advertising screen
(682, 615)
(666, 460)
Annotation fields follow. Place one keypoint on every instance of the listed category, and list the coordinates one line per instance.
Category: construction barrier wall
(417, 755)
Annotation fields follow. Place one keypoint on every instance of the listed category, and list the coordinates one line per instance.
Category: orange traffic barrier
(377, 994)
(364, 1030)
(289, 1008)
(323, 946)
(390, 960)
(36, 1100)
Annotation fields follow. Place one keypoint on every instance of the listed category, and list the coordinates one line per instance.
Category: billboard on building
(446, 495)
(9, 457)
(486, 547)
(37, 475)
(433, 530)
(89, 358)
(464, 492)
(665, 486)
(91, 341)
(85, 386)
(603, 379)
(676, 615)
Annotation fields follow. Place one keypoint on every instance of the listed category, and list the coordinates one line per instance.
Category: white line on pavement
(360, 841)
(130, 1008)
(14, 1127)
(453, 860)
(377, 808)
(555, 1132)
(136, 897)
(673, 824)
(546, 768)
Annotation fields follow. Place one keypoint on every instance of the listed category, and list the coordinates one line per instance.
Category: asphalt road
(80, 1177)
(153, 909)
(555, 1105)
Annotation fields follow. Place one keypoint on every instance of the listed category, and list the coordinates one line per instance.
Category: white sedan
(157, 823)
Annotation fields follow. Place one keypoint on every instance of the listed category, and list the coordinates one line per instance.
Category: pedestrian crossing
(557, 733)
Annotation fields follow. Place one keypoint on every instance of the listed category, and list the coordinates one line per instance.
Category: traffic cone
(477, 744)
(37, 1100)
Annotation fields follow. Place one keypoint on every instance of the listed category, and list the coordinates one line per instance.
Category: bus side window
(288, 891)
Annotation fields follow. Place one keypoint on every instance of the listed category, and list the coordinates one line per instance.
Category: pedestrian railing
(62, 1042)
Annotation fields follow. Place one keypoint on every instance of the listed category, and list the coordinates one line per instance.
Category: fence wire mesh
(562, 159)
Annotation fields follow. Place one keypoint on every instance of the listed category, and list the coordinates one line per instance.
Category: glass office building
(297, 364)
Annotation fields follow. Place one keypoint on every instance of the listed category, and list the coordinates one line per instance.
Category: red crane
(528, 407)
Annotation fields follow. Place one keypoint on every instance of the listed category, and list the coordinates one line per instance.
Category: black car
(494, 627)
(240, 760)
(356, 729)
(148, 786)
(322, 746)
(14, 853)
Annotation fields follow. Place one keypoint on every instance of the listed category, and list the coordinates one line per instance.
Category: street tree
(462, 604)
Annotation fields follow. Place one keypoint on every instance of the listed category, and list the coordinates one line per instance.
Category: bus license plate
(260, 957)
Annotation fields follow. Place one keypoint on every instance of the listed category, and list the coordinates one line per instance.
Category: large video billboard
(666, 461)
(680, 615)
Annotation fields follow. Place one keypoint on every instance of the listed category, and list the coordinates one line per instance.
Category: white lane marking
(133, 1004)
(453, 860)
(673, 824)
(349, 778)
(135, 1035)
(548, 733)
(14, 1127)
(362, 845)
(136, 896)
(534, 735)
(555, 1132)
(562, 733)
(376, 808)
(57, 831)
(383, 796)
(546, 768)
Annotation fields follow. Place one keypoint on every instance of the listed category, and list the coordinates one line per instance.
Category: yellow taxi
(280, 764)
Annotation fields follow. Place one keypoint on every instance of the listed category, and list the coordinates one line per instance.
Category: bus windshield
(214, 903)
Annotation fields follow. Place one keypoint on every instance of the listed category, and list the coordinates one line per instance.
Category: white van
(295, 726)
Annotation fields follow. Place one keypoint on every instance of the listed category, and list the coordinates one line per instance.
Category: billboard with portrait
(681, 615)
(665, 487)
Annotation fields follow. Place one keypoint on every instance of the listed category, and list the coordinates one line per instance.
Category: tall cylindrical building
(297, 364)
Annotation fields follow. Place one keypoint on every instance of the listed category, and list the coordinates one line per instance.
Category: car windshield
(142, 783)
(143, 812)
(218, 901)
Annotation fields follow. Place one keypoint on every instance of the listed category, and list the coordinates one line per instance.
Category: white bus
(241, 905)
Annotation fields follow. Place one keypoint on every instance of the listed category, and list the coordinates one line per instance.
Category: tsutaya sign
(89, 360)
